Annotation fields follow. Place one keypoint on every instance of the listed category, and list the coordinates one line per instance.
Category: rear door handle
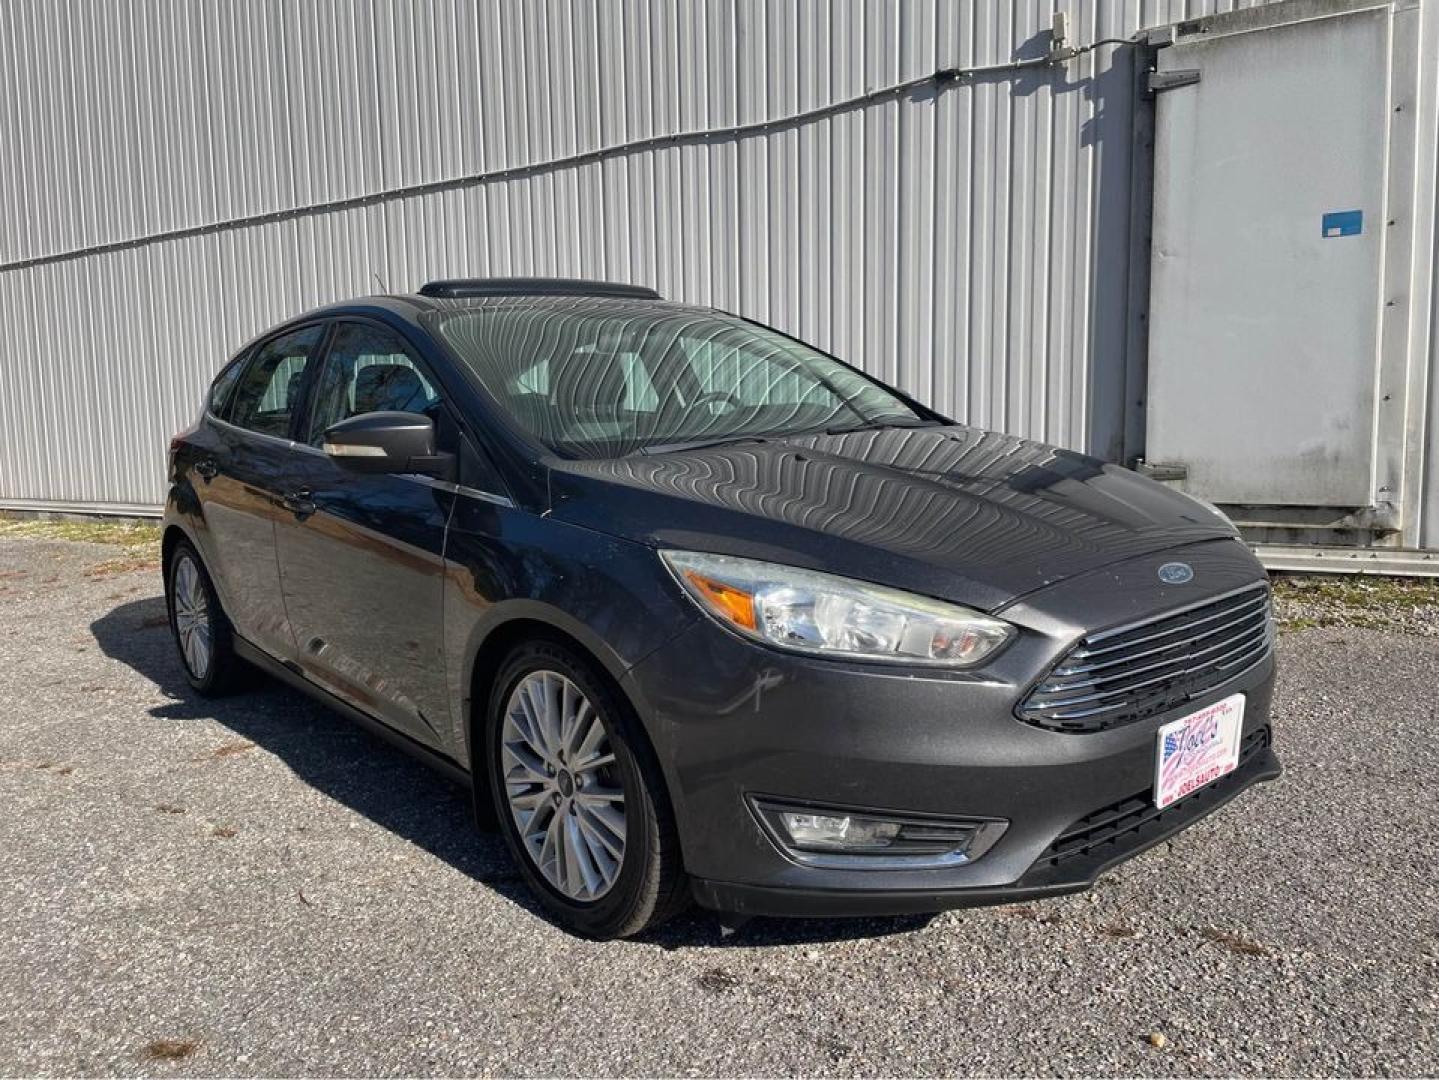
(207, 468)
(299, 502)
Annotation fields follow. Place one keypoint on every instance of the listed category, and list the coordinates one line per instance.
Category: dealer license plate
(1197, 749)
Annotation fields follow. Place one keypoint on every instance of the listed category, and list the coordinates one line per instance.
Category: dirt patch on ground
(170, 1049)
(120, 533)
(1400, 605)
(122, 546)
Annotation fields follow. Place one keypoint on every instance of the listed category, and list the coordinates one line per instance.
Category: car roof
(558, 294)
(535, 286)
(413, 305)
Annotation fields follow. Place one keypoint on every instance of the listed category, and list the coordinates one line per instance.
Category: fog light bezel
(981, 833)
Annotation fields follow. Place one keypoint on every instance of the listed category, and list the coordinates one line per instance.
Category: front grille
(1113, 829)
(1128, 674)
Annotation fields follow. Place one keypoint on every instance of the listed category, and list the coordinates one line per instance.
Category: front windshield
(595, 379)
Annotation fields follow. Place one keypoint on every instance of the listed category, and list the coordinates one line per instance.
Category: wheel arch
(489, 655)
(171, 539)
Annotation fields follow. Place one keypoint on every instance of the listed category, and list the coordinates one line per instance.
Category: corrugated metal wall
(968, 245)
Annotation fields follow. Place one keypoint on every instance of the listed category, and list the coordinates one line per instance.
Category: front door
(362, 556)
(239, 486)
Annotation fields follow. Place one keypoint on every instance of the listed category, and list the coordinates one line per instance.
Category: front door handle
(299, 502)
(207, 468)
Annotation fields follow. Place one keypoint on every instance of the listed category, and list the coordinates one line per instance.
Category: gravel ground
(1402, 605)
(256, 887)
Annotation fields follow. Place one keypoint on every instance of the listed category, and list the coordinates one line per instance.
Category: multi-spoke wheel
(192, 616)
(562, 783)
(580, 799)
(202, 632)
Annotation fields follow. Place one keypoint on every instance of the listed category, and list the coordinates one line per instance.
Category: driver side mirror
(388, 442)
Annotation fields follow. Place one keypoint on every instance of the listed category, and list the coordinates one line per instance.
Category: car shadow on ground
(375, 779)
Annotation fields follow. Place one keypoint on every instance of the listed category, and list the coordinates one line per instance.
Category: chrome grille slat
(1246, 638)
(1070, 718)
(1065, 669)
(1257, 655)
(1179, 654)
(1244, 595)
(1154, 665)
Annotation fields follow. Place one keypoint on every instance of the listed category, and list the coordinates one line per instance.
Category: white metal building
(176, 177)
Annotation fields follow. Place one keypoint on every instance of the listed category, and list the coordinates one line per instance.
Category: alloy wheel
(563, 786)
(192, 617)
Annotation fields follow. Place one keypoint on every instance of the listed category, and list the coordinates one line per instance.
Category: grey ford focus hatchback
(700, 613)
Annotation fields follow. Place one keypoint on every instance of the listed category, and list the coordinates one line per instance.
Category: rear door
(362, 557)
(238, 485)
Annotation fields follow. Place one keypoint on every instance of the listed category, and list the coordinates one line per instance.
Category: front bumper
(1060, 870)
(731, 720)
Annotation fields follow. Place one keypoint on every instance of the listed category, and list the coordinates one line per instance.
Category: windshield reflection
(604, 378)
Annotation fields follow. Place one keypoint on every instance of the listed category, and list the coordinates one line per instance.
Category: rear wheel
(579, 797)
(202, 632)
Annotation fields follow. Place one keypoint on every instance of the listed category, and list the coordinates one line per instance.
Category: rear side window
(369, 369)
(223, 384)
(270, 386)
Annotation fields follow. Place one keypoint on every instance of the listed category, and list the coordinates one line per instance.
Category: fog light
(830, 836)
(845, 833)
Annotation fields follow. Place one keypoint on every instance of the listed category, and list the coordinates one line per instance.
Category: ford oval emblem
(1176, 573)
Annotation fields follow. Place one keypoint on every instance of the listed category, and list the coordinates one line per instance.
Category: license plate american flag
(1197, 749)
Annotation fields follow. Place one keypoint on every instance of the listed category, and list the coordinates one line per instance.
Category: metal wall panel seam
(859, 105)
(702, 188)
(1425, 287)
(255, 82)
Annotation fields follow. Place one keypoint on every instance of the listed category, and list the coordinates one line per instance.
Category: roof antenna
(383, 287)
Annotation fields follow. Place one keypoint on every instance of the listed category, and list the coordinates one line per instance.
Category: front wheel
(579, 796)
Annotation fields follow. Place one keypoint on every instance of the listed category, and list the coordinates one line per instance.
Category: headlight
(834, 616)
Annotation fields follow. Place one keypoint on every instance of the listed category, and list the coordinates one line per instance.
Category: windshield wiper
(880, 425)
(704, 444)
(700, 444)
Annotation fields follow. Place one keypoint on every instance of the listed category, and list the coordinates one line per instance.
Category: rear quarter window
(219, 396)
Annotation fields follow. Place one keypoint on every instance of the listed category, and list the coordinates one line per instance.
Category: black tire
(651, 885)
(224, 673)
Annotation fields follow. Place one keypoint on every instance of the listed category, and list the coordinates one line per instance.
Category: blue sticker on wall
(1343, 223)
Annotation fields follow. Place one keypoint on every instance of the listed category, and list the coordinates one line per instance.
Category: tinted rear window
(269, 389)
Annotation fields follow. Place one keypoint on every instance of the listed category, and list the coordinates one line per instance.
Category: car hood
(954, 512)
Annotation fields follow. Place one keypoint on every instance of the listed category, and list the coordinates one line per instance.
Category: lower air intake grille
(1115, 828)
(1121, 676)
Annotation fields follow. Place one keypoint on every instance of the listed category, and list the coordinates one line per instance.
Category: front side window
(270, 386)
(369, 369)
(594, 379)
